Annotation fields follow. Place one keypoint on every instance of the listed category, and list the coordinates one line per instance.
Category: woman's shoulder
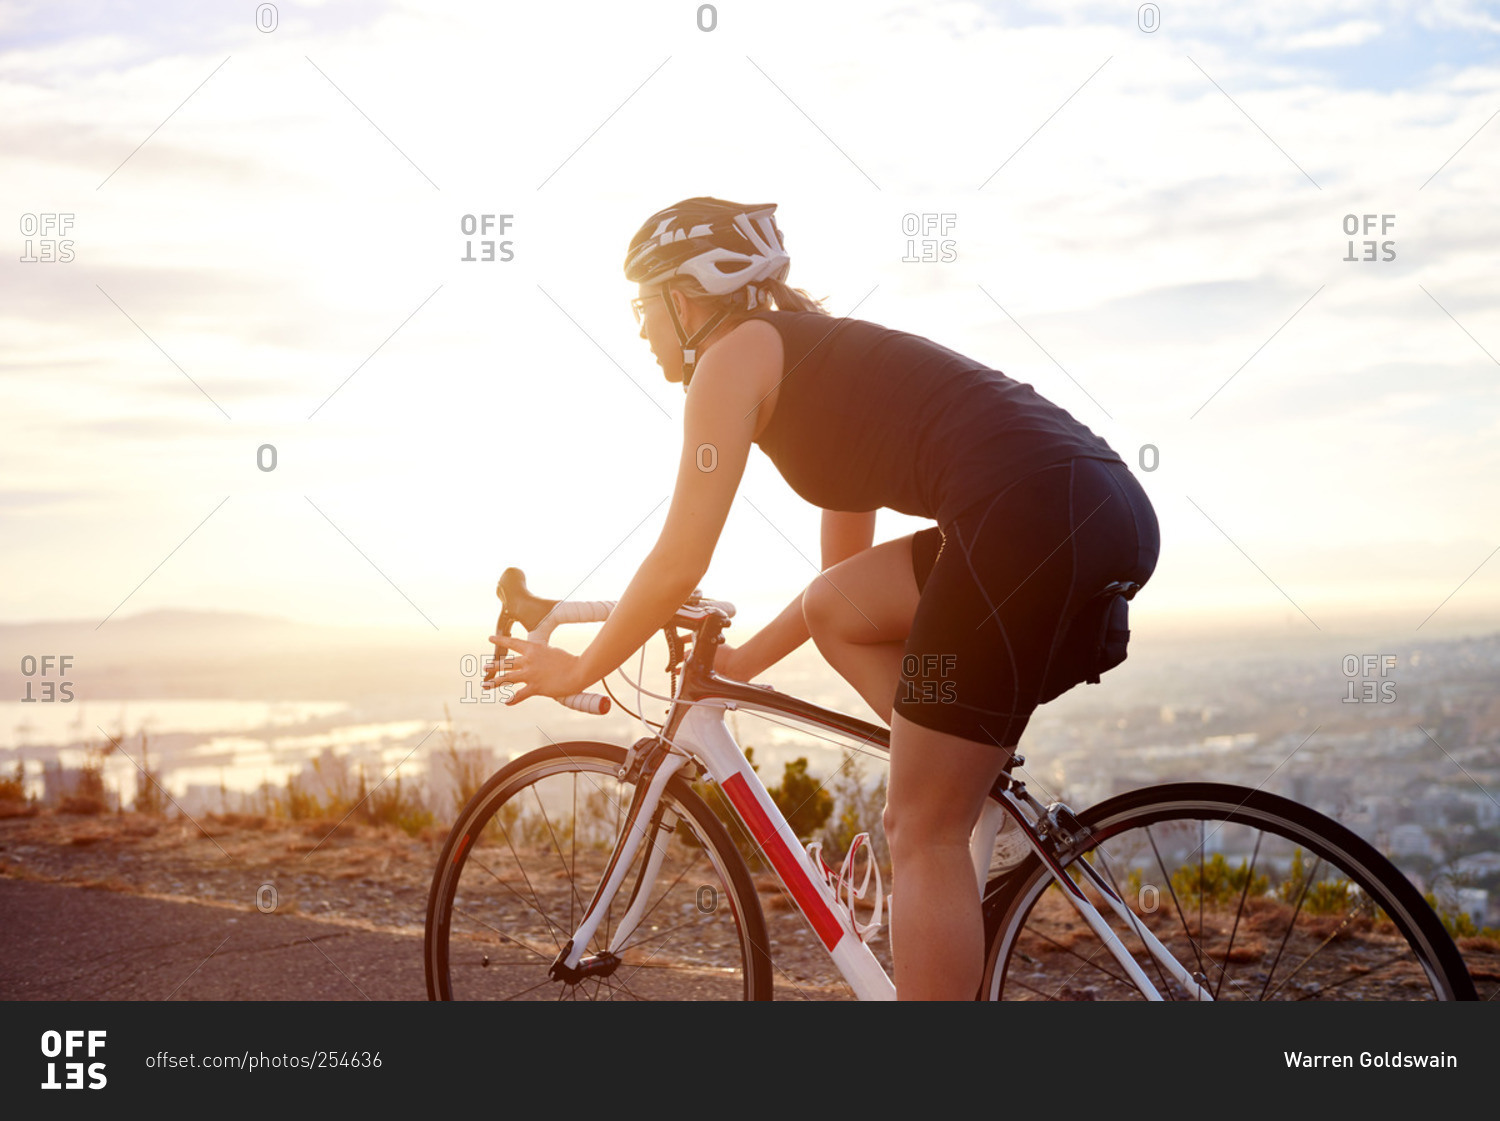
(753, 349)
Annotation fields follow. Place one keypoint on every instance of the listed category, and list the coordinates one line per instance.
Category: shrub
(13, 789)
(1323, 897)
(802, 799)
(150, 798)
(858, 808)
(1214, 881)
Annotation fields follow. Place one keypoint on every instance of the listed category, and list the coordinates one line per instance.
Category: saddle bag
(1093, 643)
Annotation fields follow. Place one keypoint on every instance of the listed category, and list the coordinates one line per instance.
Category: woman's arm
(845, 534)
(721, 410)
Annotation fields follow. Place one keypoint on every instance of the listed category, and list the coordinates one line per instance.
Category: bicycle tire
(1282, 931)
(524, 858)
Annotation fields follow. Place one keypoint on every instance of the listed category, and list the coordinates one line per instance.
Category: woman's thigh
(1013, 571)
(870, 597)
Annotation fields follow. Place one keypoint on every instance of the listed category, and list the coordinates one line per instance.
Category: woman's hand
(544, 670)
(728, 662)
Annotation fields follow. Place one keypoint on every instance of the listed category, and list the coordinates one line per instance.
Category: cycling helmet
(718, 248)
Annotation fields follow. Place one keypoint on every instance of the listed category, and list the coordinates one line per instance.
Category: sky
(1143, 212)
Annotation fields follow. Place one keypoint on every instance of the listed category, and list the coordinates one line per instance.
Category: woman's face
(657, 329)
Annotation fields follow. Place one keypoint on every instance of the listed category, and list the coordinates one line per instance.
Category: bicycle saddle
(520, 604)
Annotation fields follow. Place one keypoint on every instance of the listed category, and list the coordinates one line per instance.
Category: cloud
(1347, 34)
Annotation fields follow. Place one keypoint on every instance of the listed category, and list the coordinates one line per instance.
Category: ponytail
(792, 299)
(767, 293)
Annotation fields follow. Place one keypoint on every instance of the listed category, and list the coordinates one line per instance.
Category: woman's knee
(828, 613)
(871, 597)
(912, 826)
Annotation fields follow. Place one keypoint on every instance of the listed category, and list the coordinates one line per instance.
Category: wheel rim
(519, 876)
(1257, 905)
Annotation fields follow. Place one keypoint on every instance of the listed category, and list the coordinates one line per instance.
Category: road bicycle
(586, 870)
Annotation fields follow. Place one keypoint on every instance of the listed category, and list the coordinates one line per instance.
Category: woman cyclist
(952, 635)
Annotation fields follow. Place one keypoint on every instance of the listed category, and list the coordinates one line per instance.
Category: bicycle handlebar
(541, 616)
(576, 611)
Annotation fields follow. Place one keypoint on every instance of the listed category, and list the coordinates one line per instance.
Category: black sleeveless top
(870, 417)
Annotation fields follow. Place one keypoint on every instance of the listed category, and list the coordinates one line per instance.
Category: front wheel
(1258, 897)
(523, 862)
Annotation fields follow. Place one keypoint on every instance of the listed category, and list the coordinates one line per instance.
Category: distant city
(1400, 742)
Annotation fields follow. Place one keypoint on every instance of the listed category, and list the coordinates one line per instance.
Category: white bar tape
(595, 704)
(579, 611)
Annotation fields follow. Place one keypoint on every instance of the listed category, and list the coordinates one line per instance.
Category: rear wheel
(1259, 897)
(523, 862)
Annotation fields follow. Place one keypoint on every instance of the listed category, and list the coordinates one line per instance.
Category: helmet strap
(690, 345)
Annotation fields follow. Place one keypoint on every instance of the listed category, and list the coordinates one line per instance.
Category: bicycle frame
(695, 730)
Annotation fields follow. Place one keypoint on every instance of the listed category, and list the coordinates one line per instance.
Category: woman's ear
(683, 307)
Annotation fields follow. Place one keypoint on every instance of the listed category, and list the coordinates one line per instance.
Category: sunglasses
(640, 303)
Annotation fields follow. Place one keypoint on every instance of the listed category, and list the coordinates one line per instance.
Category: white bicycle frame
(701, 735)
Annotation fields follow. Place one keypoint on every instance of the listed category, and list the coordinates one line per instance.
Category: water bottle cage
(842, 882)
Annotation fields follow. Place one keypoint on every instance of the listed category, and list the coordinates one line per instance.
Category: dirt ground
(330, 879)
(312, 910)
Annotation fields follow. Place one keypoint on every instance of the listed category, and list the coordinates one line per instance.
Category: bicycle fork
(642, 822)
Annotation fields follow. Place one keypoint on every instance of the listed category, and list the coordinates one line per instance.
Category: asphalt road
(60, 942)
(72, 943)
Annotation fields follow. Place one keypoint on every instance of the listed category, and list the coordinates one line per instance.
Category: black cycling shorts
(1002, 581)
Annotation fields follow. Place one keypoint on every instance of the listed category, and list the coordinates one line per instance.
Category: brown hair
(777, 292)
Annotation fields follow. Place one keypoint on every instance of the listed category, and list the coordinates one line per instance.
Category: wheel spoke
(534, 902)
(1087, 961)
(1310, 933)
(1395, 959)
(1136, 922)
(557, 848)
(1238, 912)
(1176, 903)
(1292, 922)
(543, 825)
(536, 905)
(512, 939)
(680, 875)
(1343, 925)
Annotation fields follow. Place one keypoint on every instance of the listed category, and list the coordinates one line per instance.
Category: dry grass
(82, 804)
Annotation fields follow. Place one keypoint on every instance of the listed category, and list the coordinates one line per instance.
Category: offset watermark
(46, 238)
(927, 238)
(1148, 18)
(76, 1045)
(708, 17)
(1151, 461)
(266, 898)
(481, 667)
(266, 18)
(44, 678)
(1366, 223)
(490, 249)
(1363, 685)
(928, 678)
(265, 457)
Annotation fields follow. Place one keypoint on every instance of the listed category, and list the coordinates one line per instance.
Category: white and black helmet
(719, 248)
(722, 246)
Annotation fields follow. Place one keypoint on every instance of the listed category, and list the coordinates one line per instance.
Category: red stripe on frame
(788, 865)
